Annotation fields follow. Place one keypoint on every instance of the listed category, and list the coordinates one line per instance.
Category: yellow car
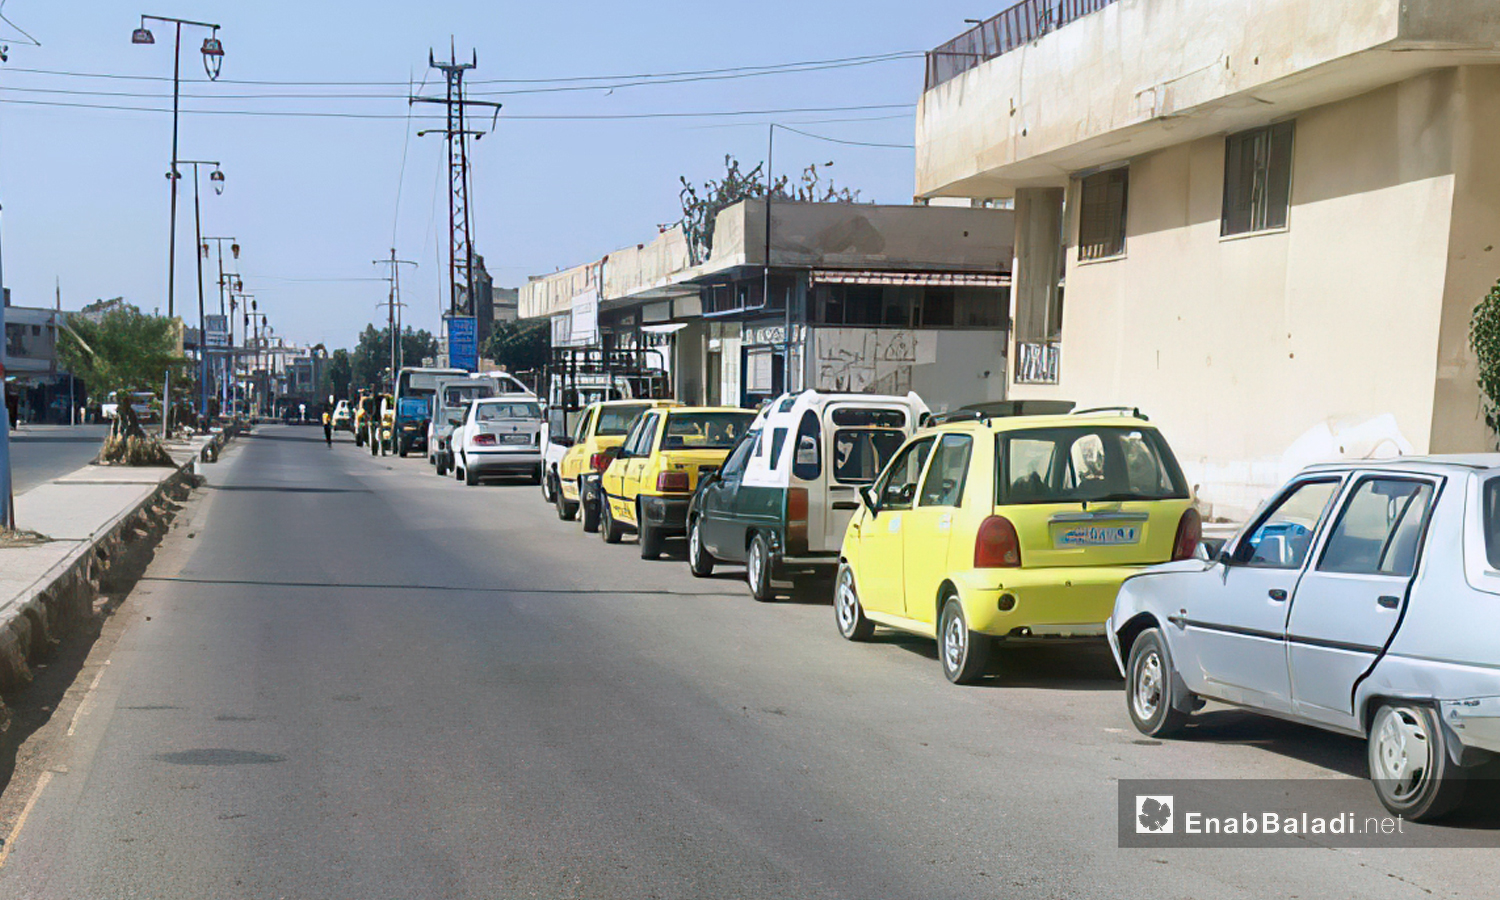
(602, 426)
(652, 475)
(1009, 530)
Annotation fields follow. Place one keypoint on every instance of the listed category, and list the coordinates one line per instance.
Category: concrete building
(1264, 223)
(44, 392)
(877, 299)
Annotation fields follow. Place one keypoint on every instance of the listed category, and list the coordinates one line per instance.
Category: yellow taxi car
(652, 475)
(1011, 530)
(602, 427)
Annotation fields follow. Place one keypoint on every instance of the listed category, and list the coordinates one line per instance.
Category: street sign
(217, 331)
(463, 342)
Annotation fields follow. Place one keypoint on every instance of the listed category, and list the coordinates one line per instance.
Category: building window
(1101, 224)
(1257, 179)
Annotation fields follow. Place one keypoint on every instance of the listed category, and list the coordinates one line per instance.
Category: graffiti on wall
(871, 360)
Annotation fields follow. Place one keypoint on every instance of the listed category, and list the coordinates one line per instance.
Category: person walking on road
(327, 426)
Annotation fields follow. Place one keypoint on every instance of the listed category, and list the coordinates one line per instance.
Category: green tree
(337, 376)
(701, 205)
(371, 357)
(520, 346)
(123, 350)
(1484, 338)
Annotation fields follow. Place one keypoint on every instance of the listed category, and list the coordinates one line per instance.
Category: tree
(701, 206)
(122, 350)
(372, 356)
(337, 376)
(1484, 338)
(520, 346)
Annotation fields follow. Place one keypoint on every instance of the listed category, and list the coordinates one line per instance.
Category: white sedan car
(499, 436)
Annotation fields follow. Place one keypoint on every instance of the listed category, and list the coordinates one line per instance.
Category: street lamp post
(217, 177)
(213, 59)
(224, 357)
(258, 319)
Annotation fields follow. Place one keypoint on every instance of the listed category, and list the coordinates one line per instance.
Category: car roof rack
(1002, 409)
(1128, 410)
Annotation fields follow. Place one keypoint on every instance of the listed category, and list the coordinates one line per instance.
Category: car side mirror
(867, 494)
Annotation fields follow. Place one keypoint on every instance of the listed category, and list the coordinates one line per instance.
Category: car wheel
(548, 488)
(537, 478)
(442, 466)
(471, 477)
(590, 512)
(964, 654)
(607, 527)
(651, 540)
(700, 561)
(1413, 774)
(758, 569)
(566, 509)
(1149, 681)
(401, 449)
(847, 613)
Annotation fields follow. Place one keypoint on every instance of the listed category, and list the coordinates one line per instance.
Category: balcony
(1021, 24)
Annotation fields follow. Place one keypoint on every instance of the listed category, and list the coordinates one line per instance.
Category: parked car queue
(1361, 599)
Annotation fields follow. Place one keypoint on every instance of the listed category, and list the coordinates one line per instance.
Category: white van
(785, 495)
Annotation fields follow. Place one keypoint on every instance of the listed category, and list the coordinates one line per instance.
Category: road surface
(345, 677)
(40, 453)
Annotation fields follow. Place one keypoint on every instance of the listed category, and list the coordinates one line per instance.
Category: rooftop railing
(1021, 24)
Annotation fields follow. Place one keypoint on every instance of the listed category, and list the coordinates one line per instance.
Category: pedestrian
(327, 427)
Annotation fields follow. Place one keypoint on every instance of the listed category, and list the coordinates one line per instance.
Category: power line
(843, 141)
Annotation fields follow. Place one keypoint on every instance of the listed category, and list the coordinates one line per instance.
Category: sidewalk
(43, 585)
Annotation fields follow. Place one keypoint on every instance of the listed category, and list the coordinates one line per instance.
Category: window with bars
(1101, 222)
(1257, 179)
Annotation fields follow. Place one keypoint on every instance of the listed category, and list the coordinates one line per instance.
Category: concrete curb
(62, 598)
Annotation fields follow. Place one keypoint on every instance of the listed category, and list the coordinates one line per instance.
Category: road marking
(10, 841)
(84, 703)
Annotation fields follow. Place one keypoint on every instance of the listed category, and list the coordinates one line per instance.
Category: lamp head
(142, 35)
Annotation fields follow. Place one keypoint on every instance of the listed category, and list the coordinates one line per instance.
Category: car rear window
(860, 453)
(415, 407)
(705, 431)
(1492, 522)
(494, 412)
(1086, 464)
(615, 420)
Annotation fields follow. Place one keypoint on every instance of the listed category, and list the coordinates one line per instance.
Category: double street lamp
(217, 178)
(213, 60)
(229, 281)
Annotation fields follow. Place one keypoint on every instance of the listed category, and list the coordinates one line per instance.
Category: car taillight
(996, 546)
(484, 440)
(796, 520)
(599, 462)
(672, 482)
(1189, 534)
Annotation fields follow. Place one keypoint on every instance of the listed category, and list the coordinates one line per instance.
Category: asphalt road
(345, 677)
(41, 453)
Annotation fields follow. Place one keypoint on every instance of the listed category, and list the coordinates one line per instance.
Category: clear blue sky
(85, 200)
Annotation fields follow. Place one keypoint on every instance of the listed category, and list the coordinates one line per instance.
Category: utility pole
(460, 212)
(7, 500)
(393, 302)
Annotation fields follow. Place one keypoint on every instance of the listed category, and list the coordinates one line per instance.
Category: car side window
(1379, 529)
(734, 466)
(808, 463)
(1283, 536)
(944, 484)
(898, 488)
(778, 440)
(638, 441)
(583, 427)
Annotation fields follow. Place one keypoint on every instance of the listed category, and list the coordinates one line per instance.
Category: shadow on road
(1066, 667)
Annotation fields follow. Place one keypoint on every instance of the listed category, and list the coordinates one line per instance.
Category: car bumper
(1044, 603)
(1474, 722)
(502, 460)
(668, 514)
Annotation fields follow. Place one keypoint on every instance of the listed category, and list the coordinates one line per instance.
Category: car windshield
(860, 453)
(615, 420)
(1086, 464)
(705, 431)
(413, 408)
(457, 395)
(494, 412)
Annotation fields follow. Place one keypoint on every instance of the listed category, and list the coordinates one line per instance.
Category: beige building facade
(1265, 224)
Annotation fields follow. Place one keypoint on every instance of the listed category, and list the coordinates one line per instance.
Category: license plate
(515, 438)
(1099, 536)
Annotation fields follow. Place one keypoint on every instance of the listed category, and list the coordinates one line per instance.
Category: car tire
(1150, 687)
(538, 478)
(964, 654)
(1410, 766)
(590, 512)
(700, 561)
(471, 477)
(402, 449)
(758, 569)
(608, 529)
(848, 614)
(566, 509)
(442, 466)
(547, 487)
(651, 540)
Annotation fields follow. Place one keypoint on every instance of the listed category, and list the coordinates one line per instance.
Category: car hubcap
(955, 636)
(693, 550)
(1403, 752)
(847, 603)
(755, 566)
(1148, 686)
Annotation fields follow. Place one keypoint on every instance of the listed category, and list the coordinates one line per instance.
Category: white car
(499, 436)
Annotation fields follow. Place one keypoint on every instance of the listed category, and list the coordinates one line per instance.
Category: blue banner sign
(463, 343)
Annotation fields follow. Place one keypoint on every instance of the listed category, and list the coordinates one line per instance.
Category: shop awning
(913, 279)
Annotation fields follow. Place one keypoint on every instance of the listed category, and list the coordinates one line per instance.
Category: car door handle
(1277, 594)
(1389, 602)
